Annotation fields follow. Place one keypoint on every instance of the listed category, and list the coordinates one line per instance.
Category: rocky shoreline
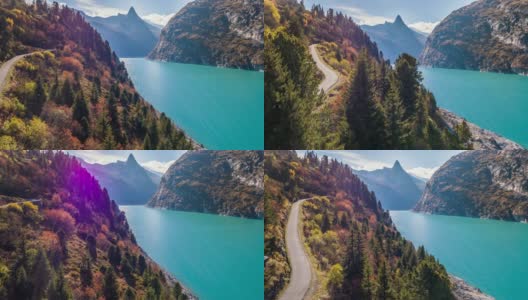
(463, 291)
(482, 139)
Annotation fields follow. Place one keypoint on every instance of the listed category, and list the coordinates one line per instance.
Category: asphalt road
(330, 76)
(4, 69)
(301, 275)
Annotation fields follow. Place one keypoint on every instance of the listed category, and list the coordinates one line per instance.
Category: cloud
(157, 166)
(91, 8)
(425, 27)
(425, 173)
(158, 19)
(97, 156)
(355, 160)
(362, 17)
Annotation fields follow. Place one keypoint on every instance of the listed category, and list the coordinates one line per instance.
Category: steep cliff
(226, 33)
(219, 182)
(486, 184)
(490, 35)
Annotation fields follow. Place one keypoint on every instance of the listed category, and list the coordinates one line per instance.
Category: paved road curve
(4, 69)
(301, 275)
(330, 76)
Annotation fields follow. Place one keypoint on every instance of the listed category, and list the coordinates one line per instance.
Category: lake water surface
(498, 102)
(488, 254)
(217, 257)
(221, 108)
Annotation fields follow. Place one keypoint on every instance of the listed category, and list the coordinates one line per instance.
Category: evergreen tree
(129, 294)
(367, 285)
(409, 78)
(177, 290)
(81, 114)
(41, 275)
(110, 288)
(21, 286)
(142, 264)
(67, 96)
(59, 289)
(395, 132)
(39, 98)
(384, 291)
(86, 272)
(364, 116)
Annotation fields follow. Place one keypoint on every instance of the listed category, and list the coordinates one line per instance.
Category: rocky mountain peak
(131, 160)
(132, 12)
(397, 166)
(399, 21)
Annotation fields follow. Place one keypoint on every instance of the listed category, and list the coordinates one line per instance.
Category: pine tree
(367, 286)
(110, 288)
(67, 95)
(86, 272)
(177, 290)
(59, 289)
(394, 117)
(364, 116)
(41, 275)
(39, 98)
(142, 264)
(409, 78)
(81, 114)
(384, 291)
(21, 286)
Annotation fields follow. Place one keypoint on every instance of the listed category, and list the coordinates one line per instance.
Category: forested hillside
(73, 242)
(357, 251)
(73, 92)
(374, 106)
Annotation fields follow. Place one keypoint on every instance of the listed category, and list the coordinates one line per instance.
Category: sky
(421, 15)
(156, 11)
(421, 163)
(154, 160)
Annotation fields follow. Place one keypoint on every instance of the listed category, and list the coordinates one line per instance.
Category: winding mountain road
(331, 77)
(4, 69)
(301, 274)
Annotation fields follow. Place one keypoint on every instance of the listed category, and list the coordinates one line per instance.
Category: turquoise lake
(498, 102)
(221, 108)
(217, 257)
(488, 254)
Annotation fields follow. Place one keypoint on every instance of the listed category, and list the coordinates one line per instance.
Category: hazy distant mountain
(396, 38)
(127, 182)
(394, 187)
(128, 35)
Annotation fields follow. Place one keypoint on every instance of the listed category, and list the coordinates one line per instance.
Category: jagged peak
(131, 160)
(132, 12)
(399, 20)
(397, 165)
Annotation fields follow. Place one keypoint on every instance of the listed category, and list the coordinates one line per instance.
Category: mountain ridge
(396, 38)
(127, 182)
(128, 34)
(394, 187)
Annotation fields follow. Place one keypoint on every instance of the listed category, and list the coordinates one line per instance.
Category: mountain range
(218, 182)
(394, 187)
(489, 35)
(482, 184)
(396, 38)
(228, 33)
(128, 35)
(127, 182)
